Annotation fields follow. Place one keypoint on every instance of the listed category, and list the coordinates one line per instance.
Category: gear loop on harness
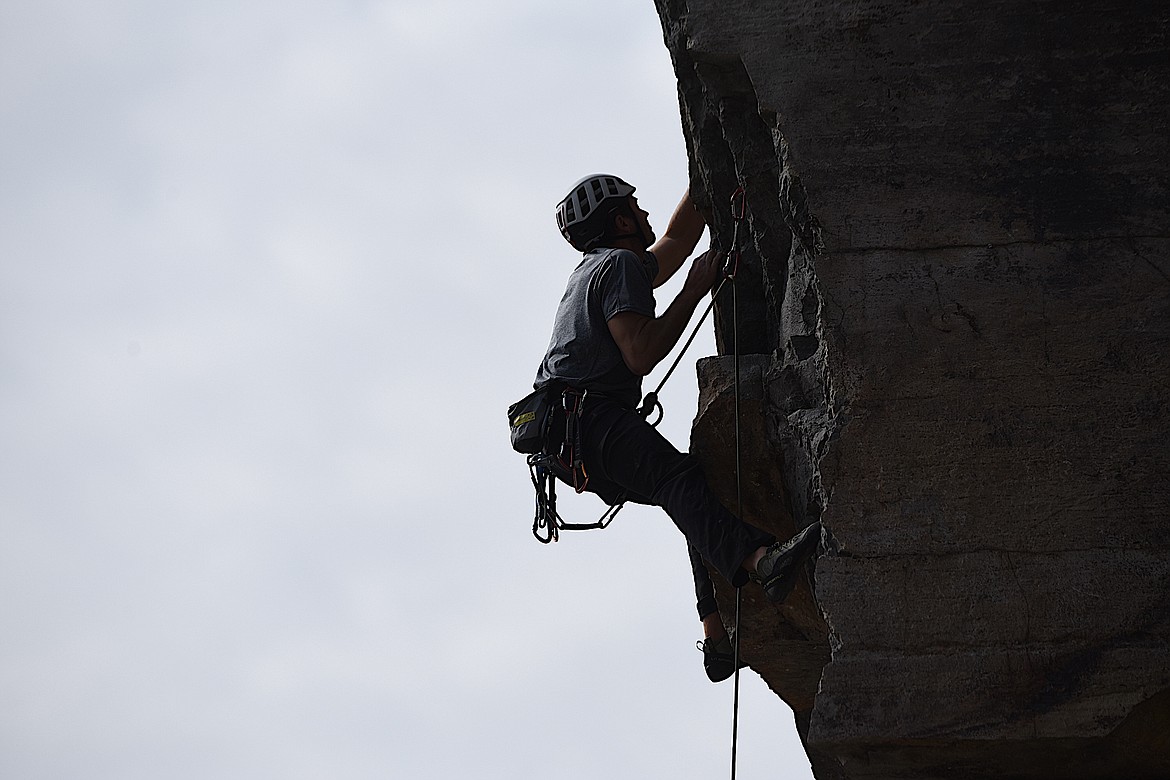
(563, 460)
(571, 449)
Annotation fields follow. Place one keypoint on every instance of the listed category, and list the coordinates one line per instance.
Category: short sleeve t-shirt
(582, 353)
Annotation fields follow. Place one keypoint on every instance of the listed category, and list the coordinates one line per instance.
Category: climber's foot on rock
(780, 566)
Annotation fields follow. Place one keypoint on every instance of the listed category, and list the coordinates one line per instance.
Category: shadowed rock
(954, 330)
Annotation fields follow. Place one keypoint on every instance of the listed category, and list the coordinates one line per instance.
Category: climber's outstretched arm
(678, 241)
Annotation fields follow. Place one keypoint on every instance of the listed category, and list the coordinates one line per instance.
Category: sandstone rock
(954, 321)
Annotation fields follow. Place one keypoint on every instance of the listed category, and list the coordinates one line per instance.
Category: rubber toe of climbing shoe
(780, 567)
(719, 658)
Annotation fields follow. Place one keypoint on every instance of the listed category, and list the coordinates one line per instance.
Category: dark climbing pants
(626, 457)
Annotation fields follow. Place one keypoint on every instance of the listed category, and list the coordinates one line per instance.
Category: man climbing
(605, 339)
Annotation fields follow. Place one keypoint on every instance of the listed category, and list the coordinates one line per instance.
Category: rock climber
(606, 337)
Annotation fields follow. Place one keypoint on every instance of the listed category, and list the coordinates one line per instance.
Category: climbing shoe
(719, 658)
(780, 567)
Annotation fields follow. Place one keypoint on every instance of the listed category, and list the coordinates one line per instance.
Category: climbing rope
(651, 404)
(738, 207)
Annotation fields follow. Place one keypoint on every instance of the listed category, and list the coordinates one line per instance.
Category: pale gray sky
(270, 274)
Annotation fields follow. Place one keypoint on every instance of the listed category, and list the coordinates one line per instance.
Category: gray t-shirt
(582, 353)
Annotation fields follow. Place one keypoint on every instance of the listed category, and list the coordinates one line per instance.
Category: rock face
(954, 350)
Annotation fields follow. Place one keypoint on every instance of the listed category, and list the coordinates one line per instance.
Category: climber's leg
(704, 593)
(622, 448)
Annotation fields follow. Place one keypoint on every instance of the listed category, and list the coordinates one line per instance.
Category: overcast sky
(270, 274)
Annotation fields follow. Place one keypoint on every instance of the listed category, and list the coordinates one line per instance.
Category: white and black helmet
(580, 217)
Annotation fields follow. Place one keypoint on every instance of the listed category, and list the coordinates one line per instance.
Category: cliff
(954, 330)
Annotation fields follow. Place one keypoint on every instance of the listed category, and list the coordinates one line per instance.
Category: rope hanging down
(738, 208)
(651, 403)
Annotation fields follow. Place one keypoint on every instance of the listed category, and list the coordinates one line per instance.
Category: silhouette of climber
(606, 337)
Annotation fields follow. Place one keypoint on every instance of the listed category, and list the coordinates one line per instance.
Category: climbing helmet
(580, 217)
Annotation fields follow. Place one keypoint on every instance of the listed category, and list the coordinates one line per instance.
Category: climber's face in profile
(637, 220)
(644, 216)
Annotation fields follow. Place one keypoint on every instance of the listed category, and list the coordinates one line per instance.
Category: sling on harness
(561, 457)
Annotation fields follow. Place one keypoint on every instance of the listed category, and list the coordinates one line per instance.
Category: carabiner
(738, 204)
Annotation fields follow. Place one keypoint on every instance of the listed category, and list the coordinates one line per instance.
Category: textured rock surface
(955, 350)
